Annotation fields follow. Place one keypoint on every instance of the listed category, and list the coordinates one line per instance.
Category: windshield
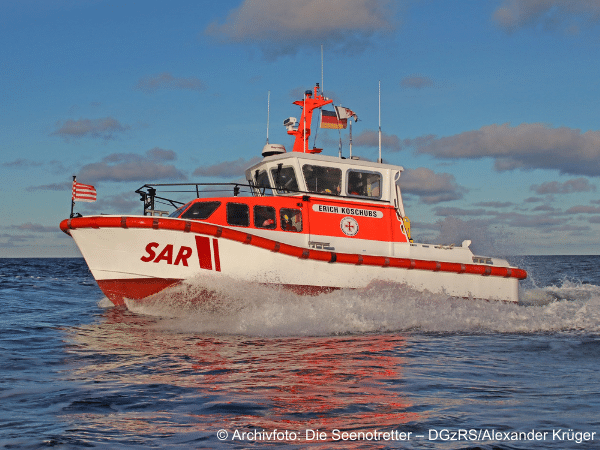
(322, 180)
(179, 210)
(263, 183)
(285, 179)
(364, 184)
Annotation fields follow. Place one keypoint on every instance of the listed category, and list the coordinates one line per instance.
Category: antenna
(380, 122)
(350, 131)
(304, 129)
(268, 112)
(322, 69)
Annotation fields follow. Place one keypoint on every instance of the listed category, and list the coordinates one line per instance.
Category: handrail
(149, 195)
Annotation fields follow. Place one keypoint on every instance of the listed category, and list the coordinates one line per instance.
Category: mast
(311, 101)
(304, 135)
(322, 68)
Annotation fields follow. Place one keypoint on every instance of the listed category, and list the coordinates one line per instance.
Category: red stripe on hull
(133, 288)
(204, 256)
(217, 257)
(299, 252)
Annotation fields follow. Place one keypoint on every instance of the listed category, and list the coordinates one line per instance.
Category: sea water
(252, 366)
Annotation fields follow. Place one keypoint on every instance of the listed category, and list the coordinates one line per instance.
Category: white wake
(226, 306)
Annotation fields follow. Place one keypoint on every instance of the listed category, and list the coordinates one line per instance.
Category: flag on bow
(83, 192)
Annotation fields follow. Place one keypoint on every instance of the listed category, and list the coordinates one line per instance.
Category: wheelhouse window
(285, 179)
(290, 219)
(364, 184)
(238, 214)
(263, 184)
(322, 180)
(179, 210)
(201, 210)
(265, 217)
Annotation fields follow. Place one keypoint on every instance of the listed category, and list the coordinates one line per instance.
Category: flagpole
(72, 199)
(350, 131)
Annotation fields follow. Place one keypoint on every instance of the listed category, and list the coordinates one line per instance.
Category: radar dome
(273, 149)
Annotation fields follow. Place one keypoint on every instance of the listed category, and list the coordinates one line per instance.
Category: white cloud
(550, 14)
(416, 82)
(514, 219)
(533, 199)
(526, 146)
(546, 207)
(582, 209)
(370, 138)
(226, 169)
(453, 211)
(22, 163)
(123, 203)
(34, 227)
(569, 186)
(282, 27)
(97, 128)
(66, 186)
(494, 204)
(132, 167)
(431, 187)
(454, 231)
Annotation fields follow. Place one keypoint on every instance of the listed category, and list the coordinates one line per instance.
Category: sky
(491, 106)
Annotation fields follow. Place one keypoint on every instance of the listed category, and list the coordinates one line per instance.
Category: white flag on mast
(345, 113)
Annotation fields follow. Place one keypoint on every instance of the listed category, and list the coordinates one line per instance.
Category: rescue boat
(306, 221)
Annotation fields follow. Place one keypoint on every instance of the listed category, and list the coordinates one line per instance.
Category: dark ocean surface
(383, 367)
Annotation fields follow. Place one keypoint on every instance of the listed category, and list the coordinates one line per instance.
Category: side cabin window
(285, 179)
(291, 219)
(482, 260)
(262, 183)
(361, 183)
(265, 217)
(322, 180)
(238, 214)
(201, 210)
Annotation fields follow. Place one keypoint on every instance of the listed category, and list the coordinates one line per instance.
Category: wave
(227, 306)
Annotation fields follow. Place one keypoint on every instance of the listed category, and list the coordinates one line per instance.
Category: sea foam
(227, 306)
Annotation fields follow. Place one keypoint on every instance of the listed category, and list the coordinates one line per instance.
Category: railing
(150, 198)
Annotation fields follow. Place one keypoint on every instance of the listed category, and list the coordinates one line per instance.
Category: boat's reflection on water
(139, 377)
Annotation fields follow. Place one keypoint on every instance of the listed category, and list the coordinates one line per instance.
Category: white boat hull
(137, 257)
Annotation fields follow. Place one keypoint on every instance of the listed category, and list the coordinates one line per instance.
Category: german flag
(329, 119)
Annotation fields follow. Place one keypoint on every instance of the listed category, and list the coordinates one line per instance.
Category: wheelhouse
(304, 173)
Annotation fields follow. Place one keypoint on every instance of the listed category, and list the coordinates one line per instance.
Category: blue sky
(491, 106)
